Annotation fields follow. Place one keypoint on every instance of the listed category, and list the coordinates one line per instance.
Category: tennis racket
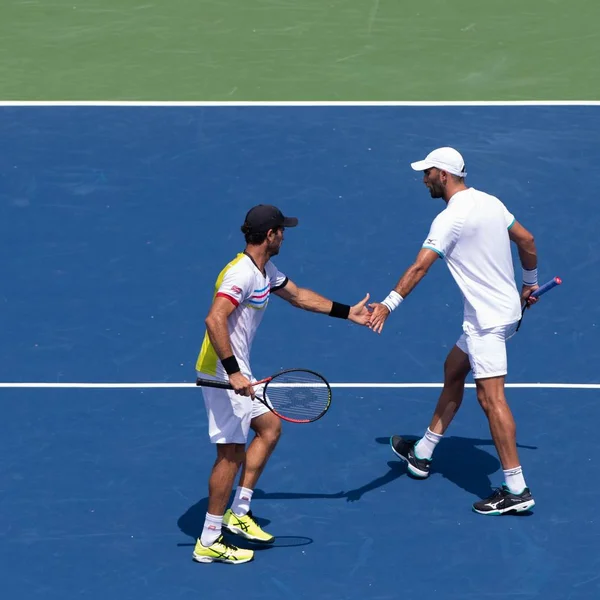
(543, 289)
(294, 395)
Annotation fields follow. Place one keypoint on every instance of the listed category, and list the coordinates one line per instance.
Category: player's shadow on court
(192, 521)
(461, 461)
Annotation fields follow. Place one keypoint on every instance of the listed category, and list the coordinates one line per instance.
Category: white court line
(145, 385)
(309, 103)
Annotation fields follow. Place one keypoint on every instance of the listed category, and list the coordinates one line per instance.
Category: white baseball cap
(446, 159)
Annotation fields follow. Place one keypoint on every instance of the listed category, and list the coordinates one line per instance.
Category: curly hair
(254, 238)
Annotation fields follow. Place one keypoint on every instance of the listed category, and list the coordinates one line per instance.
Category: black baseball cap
(263, 217)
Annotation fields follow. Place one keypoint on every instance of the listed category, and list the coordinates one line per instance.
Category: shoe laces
(498, 492)
(226, 545)
(249, 515)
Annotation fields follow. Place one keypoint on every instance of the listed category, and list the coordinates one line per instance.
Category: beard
(274, 249)
(436, 190)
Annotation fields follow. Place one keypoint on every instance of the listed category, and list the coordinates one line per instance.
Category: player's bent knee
(268, 427)
(454, 378)
(456, 367)
(455, 374)
(231, 452)
(490, 401)
(483, 400)
(273, 433)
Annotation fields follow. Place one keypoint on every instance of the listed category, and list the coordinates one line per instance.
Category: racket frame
(224, 385)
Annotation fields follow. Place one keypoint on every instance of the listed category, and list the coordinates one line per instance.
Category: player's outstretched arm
(308, 300)
(408, 281)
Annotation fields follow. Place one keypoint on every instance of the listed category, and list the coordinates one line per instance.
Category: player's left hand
(360, 313)
(378, 317)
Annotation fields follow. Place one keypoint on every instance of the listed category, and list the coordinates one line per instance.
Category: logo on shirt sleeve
(433, 244)
(232, 292)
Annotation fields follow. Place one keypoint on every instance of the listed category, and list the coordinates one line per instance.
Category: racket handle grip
(222, 385)
(547, 287)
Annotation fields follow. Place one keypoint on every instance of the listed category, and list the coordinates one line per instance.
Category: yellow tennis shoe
(247, 527)
(221, 551)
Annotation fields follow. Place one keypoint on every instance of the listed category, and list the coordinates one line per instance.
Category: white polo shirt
(471, 235)
(248, 289)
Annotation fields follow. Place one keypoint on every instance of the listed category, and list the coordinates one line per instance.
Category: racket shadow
(462, 461)
(281, 541)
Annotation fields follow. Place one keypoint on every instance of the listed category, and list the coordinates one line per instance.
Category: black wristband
(230, 365)
(340, 311)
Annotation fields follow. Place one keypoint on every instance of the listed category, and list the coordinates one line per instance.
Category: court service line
(374, 385)
(297, 103)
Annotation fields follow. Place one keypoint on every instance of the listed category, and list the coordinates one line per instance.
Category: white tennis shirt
(248, 289)
(471, 235)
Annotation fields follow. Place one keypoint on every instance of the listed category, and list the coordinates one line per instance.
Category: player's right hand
(378, 316)
(241, 385)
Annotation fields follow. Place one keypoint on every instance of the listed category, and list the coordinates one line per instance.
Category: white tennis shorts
(229, 414)
(486, 349)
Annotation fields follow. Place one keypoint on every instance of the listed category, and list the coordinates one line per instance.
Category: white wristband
(530, 277)
(392, 301)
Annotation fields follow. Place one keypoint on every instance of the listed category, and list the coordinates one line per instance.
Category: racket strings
(301, 396)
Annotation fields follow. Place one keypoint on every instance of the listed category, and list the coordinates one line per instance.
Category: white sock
(514, 480)
(241, 502)
(211, 530)
(426, 445)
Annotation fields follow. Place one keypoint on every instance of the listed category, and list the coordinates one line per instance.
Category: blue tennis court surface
(114, 224)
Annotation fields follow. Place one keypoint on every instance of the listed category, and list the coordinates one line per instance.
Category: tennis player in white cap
(472, 234)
